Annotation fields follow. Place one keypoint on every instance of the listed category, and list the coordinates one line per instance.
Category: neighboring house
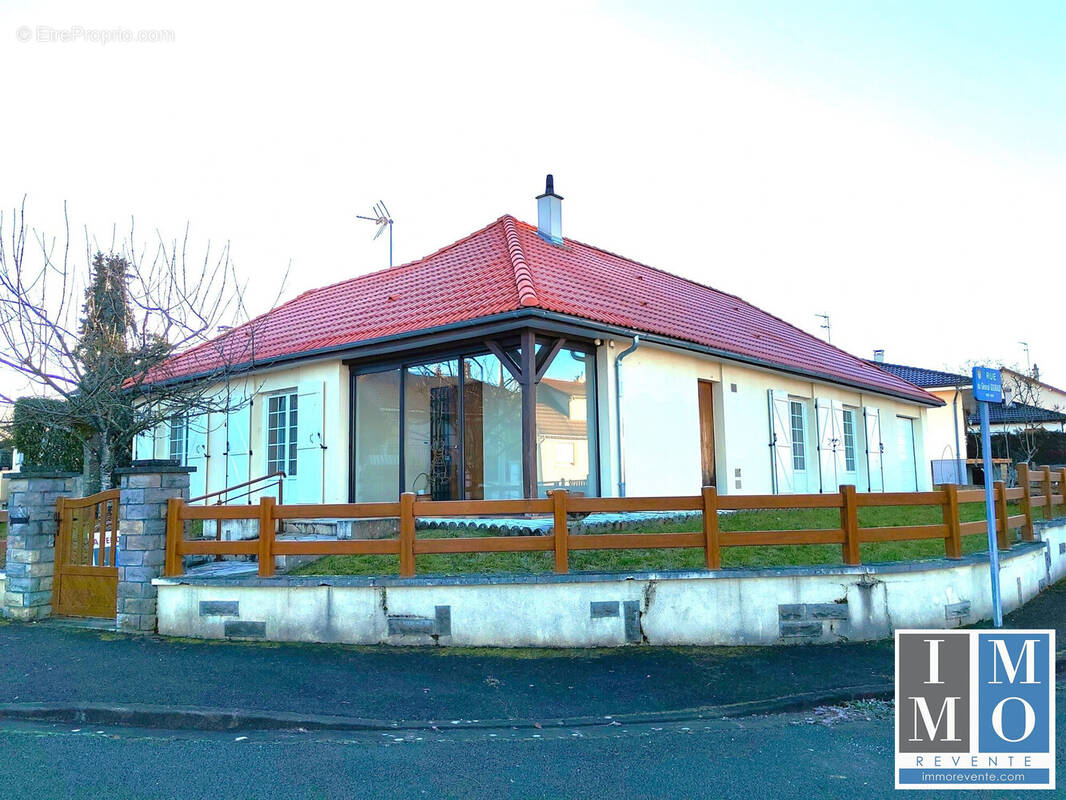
(1035, 404)
(516, 360)
(945, 427)
(1019, 418)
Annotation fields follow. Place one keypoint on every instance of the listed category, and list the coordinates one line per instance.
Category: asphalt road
(43, 663)
(830, 753)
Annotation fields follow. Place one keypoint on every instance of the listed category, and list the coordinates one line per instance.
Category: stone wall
(142, 539)
(31, 536)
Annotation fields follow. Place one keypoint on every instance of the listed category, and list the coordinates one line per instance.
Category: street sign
(988, 388)
(987, 385)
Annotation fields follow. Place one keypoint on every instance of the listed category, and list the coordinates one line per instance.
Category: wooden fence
(848, 535)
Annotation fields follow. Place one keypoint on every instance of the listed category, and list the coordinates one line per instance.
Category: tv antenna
(825, 324)
(383, 220)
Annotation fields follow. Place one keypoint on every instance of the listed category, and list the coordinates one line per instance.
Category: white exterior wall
(322, 473)
(660, 416)
(660, 431)
(661, 425)
(726, 607)
(941, 427)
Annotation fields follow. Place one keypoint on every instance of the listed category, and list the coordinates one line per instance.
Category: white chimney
(879, 356)
(550, 213)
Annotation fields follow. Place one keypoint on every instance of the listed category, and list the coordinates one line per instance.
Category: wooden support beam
(560, 531)
(1028, 532)
(407, 535)
(175, 533)
(505, 358)
(1002, 531)
(1062, 490)
(950, 509)
(529, 414)
(849, 523)
(266, 537)
(547, 356)
(711, 534)
(1047, 493)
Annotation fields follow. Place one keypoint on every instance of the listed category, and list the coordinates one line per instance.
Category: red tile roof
(507, 266)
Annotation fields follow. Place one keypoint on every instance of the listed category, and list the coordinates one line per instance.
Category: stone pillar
(31, 541)
(142, 538)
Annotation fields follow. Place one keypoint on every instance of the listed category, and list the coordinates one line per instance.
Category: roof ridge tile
(523, 276)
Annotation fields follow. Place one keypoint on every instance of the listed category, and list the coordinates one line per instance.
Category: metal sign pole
(990, 516)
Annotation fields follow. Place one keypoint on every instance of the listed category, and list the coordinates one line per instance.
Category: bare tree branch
(171, 303)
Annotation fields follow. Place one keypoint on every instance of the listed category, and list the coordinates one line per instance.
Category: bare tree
(99, 336)
(1023, 388)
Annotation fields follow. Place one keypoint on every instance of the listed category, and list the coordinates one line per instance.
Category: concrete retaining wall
(728, 607)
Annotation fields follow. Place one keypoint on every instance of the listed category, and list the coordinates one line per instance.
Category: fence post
(1062, 490)
(1028, 533)
(407, 535)
(1047, 492)
(849, 523)
(559, 527)
(710, 528)
(266, 537)
(175, 533)
(1002, 531)
(950, 508)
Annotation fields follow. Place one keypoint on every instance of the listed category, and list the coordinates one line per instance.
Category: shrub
(43, 444)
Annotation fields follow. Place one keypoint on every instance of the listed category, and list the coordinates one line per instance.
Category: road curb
(214, 719)
(209, 719)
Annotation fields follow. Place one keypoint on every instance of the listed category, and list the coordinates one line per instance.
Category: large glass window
(431, 430)
(377, 437)
(566, 440)
(492, 424)
(281, 434)
(452, 429)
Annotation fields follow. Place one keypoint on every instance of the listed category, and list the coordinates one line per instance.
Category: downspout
(618, 412)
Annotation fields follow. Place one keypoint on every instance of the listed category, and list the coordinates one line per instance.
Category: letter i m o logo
(975, 708)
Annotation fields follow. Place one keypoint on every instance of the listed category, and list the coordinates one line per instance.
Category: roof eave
(352, 350)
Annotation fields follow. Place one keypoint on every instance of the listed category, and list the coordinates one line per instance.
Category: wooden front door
(86, 568)
(707, 432)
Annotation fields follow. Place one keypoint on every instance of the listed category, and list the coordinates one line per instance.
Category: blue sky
(991, 72)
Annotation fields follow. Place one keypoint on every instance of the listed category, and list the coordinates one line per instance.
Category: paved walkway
(63, 667)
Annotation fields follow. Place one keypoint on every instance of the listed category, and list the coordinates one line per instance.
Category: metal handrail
(280, 475)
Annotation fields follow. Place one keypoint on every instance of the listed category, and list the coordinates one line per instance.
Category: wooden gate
(86, 572)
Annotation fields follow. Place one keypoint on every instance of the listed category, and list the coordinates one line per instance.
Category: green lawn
(687, 558)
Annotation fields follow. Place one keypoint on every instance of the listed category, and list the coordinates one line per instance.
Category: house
(516, 360)
(1020, 418)
(945, 427)
(1033, 404)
